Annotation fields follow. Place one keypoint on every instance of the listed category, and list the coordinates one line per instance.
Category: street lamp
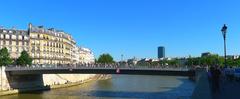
(122, 57)
(224, 32)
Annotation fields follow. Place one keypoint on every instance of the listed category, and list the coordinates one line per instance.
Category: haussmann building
(44, 45)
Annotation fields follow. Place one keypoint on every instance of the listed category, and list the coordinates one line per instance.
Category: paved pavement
(228, 90)
(202, 89)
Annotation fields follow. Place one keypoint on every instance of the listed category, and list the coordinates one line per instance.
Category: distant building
(132, 61)
(86, 56)
(205, 54)
(161, 52)
(233, 56)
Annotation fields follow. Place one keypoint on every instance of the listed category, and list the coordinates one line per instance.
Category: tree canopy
(212, 60)
(105, 58)
(24, 59)
(5, 57)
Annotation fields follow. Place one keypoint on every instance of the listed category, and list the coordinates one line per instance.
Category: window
(7, 43)
(10, 49)
(20, 43)
(7, 36)
(13, 36)
(26, 38)
(19, 37)
(13, 43)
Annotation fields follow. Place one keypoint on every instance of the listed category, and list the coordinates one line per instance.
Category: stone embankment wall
(34, 81)
(4, 84)
(56, 79)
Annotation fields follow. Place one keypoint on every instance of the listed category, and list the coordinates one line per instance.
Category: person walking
(215, 71)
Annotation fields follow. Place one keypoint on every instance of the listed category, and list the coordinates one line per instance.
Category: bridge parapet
(99, 70)
(36, 67)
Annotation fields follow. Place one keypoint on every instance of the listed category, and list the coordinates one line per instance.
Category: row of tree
(5, 59)
(211, 60)
(173, 62)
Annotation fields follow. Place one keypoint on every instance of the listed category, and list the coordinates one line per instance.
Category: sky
(134, 28)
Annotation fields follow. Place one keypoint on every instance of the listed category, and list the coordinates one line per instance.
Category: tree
(162, 62)
(105, 58)
(5, 57)
(173, 62)
(4, 60)
(237, 62)
(24, 59)
(211, 60)
(189, 61)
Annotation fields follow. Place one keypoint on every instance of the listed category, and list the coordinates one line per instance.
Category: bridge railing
(105, 66)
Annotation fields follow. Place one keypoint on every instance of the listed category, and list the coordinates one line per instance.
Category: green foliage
(24, 59)
(159, 63)
(155, 63)
(5, 57)
(105, 58)
(173, 62)
(162, 62)
(212, 60)
(237, 62)
(143, 63)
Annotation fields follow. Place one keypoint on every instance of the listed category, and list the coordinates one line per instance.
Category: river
(120, 87)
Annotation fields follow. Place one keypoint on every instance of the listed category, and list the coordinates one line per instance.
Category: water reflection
(119, 87)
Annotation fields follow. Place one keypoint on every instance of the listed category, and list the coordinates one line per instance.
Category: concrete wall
(37, 81)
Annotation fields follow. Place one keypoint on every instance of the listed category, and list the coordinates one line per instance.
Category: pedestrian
(215, 71)
(231, 73)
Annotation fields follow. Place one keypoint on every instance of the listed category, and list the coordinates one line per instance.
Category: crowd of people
(218, 75)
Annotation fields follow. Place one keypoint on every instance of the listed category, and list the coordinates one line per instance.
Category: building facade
(15, 41)
(161, 52)
(45, 45)
(86, 56)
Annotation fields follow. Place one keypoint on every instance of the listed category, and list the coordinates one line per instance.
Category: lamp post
(224, 32)
(122, 57)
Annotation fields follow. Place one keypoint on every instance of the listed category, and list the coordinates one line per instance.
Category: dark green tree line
(105, 58)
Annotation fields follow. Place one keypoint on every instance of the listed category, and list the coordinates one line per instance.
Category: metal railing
(93, 66)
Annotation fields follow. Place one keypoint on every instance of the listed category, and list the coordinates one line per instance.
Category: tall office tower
(161, 52)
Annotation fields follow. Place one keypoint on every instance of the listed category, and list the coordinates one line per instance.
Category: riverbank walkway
(228, 90)
(202, 89)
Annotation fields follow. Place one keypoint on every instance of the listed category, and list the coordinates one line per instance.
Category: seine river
(121, 87)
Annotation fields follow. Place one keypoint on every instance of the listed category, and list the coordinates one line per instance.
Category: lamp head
(224, 29)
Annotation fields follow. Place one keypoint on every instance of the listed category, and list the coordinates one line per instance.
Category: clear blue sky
(134, 27)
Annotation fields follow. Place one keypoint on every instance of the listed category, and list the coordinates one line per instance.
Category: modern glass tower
(161, 52)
